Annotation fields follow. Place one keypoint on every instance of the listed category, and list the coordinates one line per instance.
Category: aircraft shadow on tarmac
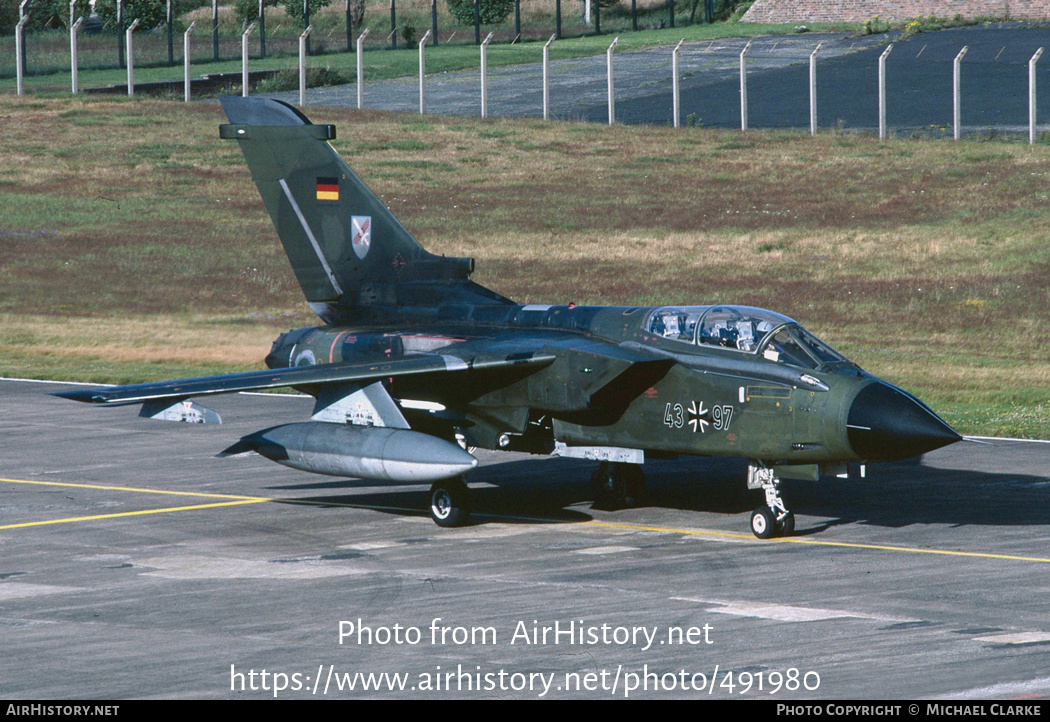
(541, 491)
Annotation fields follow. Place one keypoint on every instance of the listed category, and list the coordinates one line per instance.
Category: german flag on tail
(327, 189)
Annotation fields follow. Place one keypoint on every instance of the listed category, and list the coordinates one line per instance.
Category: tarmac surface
(137, 564)
(994, 83)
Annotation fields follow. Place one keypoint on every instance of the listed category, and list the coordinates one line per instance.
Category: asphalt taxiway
(919, 83)
(137, 564)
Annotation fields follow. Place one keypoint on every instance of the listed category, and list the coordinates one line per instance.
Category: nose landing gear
(773, 519)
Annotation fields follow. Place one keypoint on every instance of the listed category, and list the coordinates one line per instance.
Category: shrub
(149, 13)
(295, 7)
(491, 12)
(43, 14)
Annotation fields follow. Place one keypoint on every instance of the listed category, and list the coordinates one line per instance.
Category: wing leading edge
(300, 376)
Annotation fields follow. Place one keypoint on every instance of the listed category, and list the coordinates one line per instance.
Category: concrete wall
(857, 11)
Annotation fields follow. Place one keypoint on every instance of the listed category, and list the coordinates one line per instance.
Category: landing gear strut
(618, 485)
(773, 519)
(450, 502)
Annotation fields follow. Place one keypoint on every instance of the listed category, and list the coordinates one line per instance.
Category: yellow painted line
(235, 500)
(131, 488)
(134, 513)
(818, 542)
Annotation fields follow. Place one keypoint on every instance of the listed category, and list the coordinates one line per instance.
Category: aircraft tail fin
(345, 246)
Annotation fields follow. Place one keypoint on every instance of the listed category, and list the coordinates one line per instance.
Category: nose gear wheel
(773, 519)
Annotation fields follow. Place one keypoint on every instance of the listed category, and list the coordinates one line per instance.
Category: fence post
(350, 27)
(557, 19)
(434, 20)
(20, 39)
(882, 91)
(360, 69)
(813, 90)
(74, 29)
(1031, 96)
(131, 56)
(302, 65)
(546, 79)
(169, 18)
(262, 29)
(215, 29)
(422, 71)
(484, 66)
(72, 46)
(20, 46)
(244, 59)
(956, 95)
(186, 61)
(120, 40)
(674, 75)
(743, 86)
(609, 79)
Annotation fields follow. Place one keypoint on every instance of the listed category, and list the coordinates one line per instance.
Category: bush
(43, 14)
(150, 13)
(8, 16)
(181, 7)
(295, 7)
(491, 12)
(247, 11)
(289, 80)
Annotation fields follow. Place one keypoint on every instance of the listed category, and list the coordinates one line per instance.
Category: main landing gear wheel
(618, 485)
(450, 502)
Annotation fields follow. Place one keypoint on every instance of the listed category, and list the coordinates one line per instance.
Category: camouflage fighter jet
(416, 363)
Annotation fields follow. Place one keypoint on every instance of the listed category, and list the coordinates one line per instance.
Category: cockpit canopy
(746, 329)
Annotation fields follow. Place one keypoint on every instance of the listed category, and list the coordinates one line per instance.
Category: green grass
(134, 246)
(382, 63)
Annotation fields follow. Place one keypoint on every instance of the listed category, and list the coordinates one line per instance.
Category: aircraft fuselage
(710, 399)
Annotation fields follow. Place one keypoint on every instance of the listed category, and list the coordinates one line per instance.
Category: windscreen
(795, 346)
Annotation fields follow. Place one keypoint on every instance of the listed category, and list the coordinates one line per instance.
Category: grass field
(134, 246)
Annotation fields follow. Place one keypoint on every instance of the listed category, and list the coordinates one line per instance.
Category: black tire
(450, 503)
(786, 526)
(636, 487)
(763, 523)
(610, 487)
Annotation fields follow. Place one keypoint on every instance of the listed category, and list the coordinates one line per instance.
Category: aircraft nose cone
(887, 424)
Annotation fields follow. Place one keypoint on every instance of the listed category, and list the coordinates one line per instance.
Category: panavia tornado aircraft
(417, 364)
